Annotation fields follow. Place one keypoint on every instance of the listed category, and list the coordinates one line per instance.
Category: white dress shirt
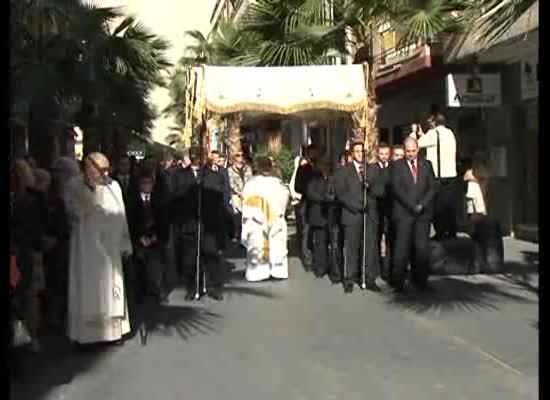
(447, 144)
(146, 197)
(358, 167)
(409, 163)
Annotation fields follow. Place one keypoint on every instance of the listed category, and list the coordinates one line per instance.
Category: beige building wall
(169, 19)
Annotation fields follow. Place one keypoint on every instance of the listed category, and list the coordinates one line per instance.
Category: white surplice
(98, 310)
(264, 232)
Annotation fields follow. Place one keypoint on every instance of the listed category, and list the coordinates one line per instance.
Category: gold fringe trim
(273, 109)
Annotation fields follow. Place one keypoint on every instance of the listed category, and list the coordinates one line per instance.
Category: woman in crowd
(477, 179)
(56, 257)
(98, 310)
(28, 232)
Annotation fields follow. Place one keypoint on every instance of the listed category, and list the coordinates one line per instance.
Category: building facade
(498, 116)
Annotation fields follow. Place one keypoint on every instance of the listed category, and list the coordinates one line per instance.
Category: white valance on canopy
(282, 90)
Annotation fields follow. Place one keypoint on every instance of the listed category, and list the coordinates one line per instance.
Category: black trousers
(237, 225)
(151, 263)
(210, 261)
(447, 207)
(305, 236)
(411, 244)
(321, 242)
(336, 252)
(353, 252)
(384, 229)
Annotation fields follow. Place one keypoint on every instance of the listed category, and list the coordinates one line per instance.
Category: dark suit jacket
(384, 202)
(303, 176)
(226, 188)
(349, 192)
(137, 218)
(407, 194)
(185, 199)
(321, 202)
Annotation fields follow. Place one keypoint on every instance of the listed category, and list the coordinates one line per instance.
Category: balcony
(397, 63)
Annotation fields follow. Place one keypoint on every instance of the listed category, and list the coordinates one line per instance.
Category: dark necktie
(361, 170)
(414, 169)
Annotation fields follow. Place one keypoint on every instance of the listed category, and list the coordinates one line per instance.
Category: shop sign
(474, 90)
(530, 77)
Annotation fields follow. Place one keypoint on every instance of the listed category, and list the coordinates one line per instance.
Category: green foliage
(284, 160)
(495, 17)
(66, 52)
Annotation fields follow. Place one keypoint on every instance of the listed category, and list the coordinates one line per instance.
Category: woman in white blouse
(476, 194)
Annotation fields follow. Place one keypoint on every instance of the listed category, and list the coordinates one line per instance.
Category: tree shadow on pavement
(521, 274)
(47, 375)
(169, 321)
(455, 295)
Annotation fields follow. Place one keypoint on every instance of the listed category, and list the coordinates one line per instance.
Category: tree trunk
(274, 137)
(371, 129)
(234, 137)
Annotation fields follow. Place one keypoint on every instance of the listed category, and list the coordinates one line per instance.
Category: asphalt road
(472, 338)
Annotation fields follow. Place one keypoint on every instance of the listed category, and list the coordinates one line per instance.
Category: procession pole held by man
(198, 271)
(364, 247)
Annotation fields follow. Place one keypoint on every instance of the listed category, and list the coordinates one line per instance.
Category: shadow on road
(168, 321)
(455, 295)
(47, 375)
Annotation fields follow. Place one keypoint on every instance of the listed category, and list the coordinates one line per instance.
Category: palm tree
(281, 33)
(222, 47)
(66, 54)
(496, 17)
(418, 22)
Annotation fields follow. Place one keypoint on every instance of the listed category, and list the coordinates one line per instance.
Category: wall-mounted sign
(468, 90)
(530, 77)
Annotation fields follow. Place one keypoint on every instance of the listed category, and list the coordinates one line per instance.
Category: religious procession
(322, 188)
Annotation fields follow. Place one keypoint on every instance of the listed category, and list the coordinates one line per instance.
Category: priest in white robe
(98, 310)
(264, 233)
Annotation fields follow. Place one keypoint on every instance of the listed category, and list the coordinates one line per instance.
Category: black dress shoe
(215, 294)
(335, 279)
(373, 287)
(348, 287)
(397, 287)
(190, 296)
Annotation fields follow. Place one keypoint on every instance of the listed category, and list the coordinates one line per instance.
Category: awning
(283, 90)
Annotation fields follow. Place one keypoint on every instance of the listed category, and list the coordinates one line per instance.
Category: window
(390, 43)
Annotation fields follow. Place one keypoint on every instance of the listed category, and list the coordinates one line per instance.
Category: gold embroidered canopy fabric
(283, 90)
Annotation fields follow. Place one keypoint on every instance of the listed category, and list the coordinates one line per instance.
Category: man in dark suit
(214, 165)
(383, 206)
(150, 232)
(186, 186)
(320, 218)
(413, 187)
(350, 182)
(123, 175)
(304, 175)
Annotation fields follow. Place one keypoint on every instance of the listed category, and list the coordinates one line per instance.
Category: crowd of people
(91, 242)
(363, 221)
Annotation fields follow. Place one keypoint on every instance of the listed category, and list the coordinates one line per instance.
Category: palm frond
(496, 17)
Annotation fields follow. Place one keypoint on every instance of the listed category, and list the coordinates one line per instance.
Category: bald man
(412, 184)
